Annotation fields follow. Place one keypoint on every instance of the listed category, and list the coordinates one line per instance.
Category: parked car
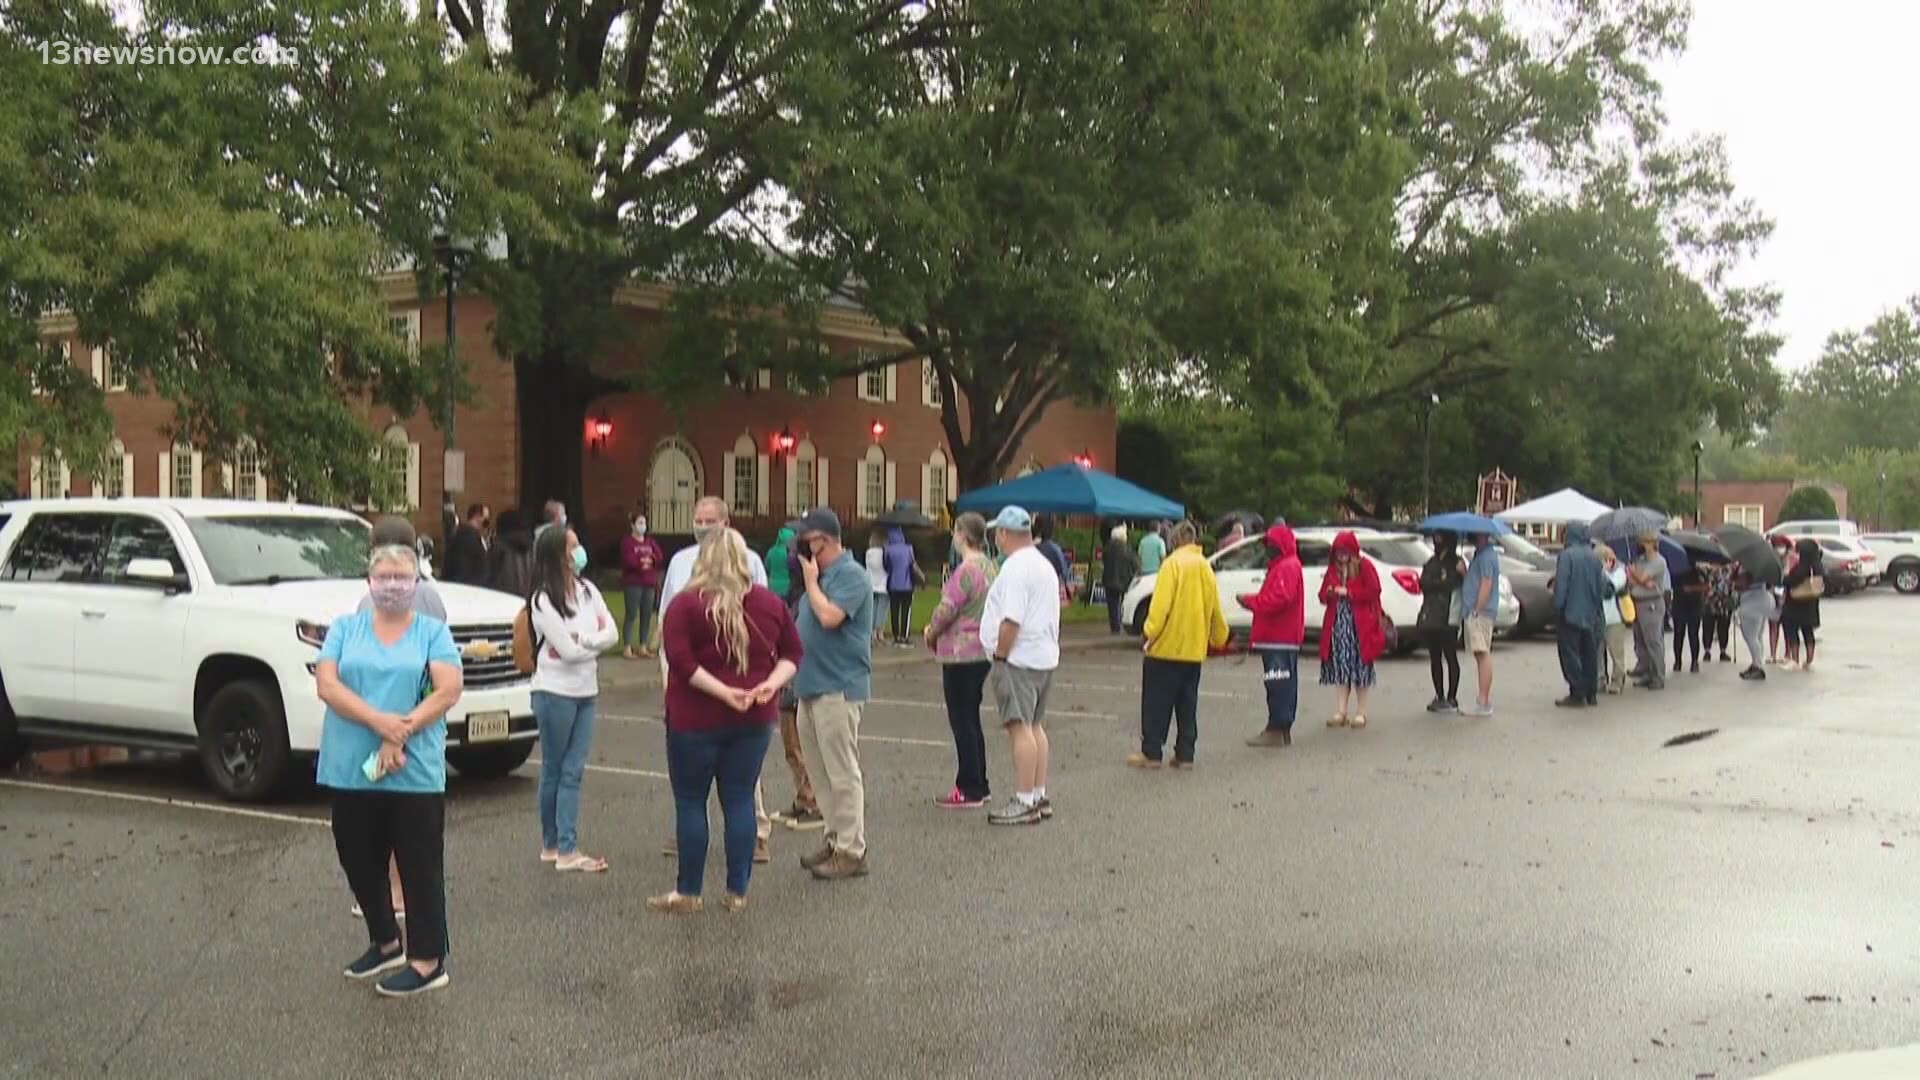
(1849, 565)
(1530, 571)
(1899, 555)
(193, 624)
(1396, 556)
(1829, 527)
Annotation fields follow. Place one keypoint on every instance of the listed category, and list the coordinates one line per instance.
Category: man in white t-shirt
(709, 514)
(1021, 630)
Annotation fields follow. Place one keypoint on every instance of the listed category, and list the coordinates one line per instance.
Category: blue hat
(1013, 519)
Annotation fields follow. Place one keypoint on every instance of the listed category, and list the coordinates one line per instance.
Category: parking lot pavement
(1543, 893)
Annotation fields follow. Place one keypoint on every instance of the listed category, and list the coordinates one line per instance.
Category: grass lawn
(924, 601)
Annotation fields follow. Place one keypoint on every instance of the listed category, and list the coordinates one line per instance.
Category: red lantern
(784, 442)
(599, 430)
(603, 428)
(1084, 459)
(879, 430)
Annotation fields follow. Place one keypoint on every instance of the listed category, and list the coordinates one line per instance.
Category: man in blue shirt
(833, 684)
(1480, 599)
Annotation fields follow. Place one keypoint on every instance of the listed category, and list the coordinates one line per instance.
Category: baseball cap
(1013, 519)
(819, 520)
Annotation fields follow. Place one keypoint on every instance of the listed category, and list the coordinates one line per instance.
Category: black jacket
(510, 565)
(466, 562)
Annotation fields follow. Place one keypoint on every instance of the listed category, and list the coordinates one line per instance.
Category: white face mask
(639, 528)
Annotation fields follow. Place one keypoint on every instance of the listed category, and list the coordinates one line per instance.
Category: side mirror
(156, 572)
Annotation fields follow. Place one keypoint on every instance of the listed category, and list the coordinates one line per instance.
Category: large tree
(216, 228)
(1049, 195)
(1862, 393)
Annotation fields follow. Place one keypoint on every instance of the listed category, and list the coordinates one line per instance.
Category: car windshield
(1525, 550)
(1398, 550)
(267, 549)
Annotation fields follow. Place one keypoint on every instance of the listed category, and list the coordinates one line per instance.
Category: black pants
(1114, 596)
(900, 612)
(371, 826)
(1687, 613)
(963, 685)
(1580, 662)
(1443, 661)
(1718, 628)
(1169, 689)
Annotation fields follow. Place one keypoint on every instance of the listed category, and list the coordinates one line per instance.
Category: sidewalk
(621, 674)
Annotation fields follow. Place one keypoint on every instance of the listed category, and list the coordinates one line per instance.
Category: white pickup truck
(1899, 558)
(193, 624)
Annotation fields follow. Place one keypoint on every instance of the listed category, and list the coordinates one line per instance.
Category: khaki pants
(830, 733)
(796, 760)
(1616, 657)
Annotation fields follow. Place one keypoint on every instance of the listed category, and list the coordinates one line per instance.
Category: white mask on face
(640, 528)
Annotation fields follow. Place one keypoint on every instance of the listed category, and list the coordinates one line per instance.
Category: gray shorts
(1021, 693)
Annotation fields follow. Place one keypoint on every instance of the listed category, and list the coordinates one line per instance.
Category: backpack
(526, 650)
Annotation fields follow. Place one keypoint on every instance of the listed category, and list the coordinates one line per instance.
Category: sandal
(675, 904)
(1338, 719)
(733, 904)
(1359, 720)
(580, 862)
(549, 855)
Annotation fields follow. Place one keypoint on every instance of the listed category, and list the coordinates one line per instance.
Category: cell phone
(805, 554)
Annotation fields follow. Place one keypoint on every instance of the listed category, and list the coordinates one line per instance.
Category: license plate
(487, 726)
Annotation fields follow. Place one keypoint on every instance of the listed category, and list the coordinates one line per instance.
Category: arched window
(673, 486)
(400, 457)
(116, 474)
(247, 473)
(802, 472)
(936, 483)
(743, 478)
(185, 481)
(876, 484)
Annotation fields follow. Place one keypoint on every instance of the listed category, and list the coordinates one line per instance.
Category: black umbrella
(1626, 524)
(904, 515)
(1225, 522)
(1752, 551)
(1701, 548)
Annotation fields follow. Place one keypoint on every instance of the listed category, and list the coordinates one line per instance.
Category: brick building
(648, 455)
(1756, 503)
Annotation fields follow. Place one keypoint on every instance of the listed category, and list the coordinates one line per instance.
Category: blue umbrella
(1465, 524)
(1677, 560)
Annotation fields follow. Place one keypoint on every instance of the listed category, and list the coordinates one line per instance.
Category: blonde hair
(721, 577)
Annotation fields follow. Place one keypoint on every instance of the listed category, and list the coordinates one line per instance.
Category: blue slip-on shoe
(409, 982)
(374, 962)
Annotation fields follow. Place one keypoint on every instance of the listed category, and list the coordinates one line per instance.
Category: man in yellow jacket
(1184, 623)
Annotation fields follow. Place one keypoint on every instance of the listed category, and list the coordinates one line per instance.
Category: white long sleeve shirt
(570, 648)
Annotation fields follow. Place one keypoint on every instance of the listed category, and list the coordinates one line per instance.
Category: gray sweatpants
(1650, 638)
(1755, 606)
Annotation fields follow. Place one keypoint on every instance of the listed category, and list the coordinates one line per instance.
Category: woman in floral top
(1720, 604)
(953, 633)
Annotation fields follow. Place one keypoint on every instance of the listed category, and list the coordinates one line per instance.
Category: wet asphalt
(1546, 893)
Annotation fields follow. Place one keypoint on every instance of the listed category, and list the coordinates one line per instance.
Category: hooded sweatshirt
(1184, 619)
(1280, 607)
(778, 578)
(899, 562)
(1580, 585)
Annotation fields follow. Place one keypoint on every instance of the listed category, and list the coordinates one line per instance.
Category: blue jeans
(731, 756)
(1280, 673)
(566, 734)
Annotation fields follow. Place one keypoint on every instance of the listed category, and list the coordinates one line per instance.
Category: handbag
(1811, 589)
(1456, 609)
(1628, 613)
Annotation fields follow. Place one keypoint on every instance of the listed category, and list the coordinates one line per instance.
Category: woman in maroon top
(730, 646)
(641, 562)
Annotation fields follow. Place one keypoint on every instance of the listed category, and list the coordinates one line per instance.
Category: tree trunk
(552, 397)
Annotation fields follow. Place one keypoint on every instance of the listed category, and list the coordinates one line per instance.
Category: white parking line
(631, 719)
(157, 800)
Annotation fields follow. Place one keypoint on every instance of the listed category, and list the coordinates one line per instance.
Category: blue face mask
(579, 559)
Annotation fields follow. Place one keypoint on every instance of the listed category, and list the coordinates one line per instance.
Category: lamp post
(1880, 515)
(1698, 449)
(1426, 462)
(452, 253)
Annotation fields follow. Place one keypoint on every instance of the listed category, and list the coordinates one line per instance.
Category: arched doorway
(673, 486)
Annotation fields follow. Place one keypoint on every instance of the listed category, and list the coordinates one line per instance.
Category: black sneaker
(1754, 674)
(1045, 806)
(1696, 668)
(374, 962)
(409, 982)
(1571, 702)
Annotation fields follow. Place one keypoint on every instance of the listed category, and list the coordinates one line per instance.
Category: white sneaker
(1476, 710)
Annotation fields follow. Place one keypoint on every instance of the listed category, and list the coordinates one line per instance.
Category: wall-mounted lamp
(782, 444)
(879, 430)
(1084, 459)
(600, 429)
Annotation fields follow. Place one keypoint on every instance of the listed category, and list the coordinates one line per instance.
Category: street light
(452, 252)
(1426, 464)
(1698, 449)
(1880, 516)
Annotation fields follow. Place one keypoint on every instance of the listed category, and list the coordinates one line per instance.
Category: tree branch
(463, 22)
(1433, 377)
(1418, 328)
(646, 23)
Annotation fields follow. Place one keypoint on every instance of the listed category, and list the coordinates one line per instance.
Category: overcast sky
(1817, 102)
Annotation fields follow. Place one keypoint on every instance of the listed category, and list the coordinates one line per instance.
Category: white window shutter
(820, 471)
(953, 482)
(33, 478)
(763, 378)
(226, 481)
(199, 468)
(726, 479)
(100, 366)
(891, 499)
(66, 477)
(166, 475)
(413, 474)
(762, 476)
(793, 486)
(126, 473)
(893, 382)
(926, 488)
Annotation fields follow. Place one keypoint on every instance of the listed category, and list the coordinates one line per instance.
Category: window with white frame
(804, 459)
(108, 370)
(932, 394)
(405, 325)
(879, 383)
(935, 491)
(113, 475)
(400, 457)
(249, 479)
(181, 483)
(873, 483)
(55, 481)
(743, 465)
(1751, 515)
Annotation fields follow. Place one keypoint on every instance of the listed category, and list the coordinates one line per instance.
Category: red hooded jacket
(1279, 608)
(1363, 593)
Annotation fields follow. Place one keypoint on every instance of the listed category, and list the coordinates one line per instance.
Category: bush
(1809, 504)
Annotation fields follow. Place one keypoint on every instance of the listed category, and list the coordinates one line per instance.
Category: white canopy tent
(1544, 518)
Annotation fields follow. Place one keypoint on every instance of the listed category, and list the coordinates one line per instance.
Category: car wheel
(1906, 578)
(243, 741)
(490, 762)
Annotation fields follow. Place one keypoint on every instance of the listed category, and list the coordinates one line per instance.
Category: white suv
(1396, 557)
(194, 624)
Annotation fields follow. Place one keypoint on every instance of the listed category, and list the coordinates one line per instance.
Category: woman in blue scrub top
(388, 675)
